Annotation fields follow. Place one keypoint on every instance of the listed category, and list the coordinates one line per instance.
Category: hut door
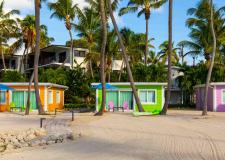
(126, 96)
(18, 98)
(112, 96)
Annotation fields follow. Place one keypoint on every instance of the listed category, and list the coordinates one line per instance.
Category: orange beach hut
(52, 96)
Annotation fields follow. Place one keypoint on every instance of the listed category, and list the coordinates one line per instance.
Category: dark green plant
(12, 76)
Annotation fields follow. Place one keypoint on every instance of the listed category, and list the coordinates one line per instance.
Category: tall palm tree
(170, 39)
(36, 56)
(87, 27)
(164, 53)
(138, 102)
(204, 111)
(66, 11)
(8, 28)
(102, 13)
(142, 7)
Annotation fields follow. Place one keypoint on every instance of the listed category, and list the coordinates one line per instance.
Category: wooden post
(72, 115)
(41, 122)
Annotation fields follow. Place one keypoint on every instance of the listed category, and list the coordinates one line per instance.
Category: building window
(148, 96)
(2, 97)
(223, 96)
(57, 97)
(79, 53)
(50, 97)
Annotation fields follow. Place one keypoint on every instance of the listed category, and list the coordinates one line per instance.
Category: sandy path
(181, 135)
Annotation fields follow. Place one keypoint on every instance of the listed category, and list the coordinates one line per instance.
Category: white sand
(182, 135)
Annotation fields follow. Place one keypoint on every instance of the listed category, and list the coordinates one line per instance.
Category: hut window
(147, 96)
(223, 96)
(57, 97)
(50, 97)
(2, 97)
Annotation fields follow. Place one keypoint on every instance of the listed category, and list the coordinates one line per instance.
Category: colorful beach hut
(216, 96)
(119, 94)
(15, 95)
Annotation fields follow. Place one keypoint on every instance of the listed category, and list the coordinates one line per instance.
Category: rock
(35, 143)
(50, 142)
(10, 147)
(2, 148)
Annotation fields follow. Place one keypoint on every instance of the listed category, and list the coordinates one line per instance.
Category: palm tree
(164, 53)
(103, 47)
(142, 7)
(88, 25)
(204, 111)
(36, 56)
(170, 51)
(66, 11)
(199, 23)
(125, 58)
(8, 28)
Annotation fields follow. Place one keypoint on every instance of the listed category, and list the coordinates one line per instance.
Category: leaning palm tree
(138, 102)
(170, 50)
(66, 11)
(87, 27)
(204, 111)
(142, 7)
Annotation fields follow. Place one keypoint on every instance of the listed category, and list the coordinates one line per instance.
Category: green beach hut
(151, 95)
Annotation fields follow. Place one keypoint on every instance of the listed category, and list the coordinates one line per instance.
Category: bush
(12, 76)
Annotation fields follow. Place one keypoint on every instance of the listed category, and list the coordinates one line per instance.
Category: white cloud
(159, 10)
(81, 3)
(19, 4)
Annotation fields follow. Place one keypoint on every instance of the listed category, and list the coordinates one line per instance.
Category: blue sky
(158, 25)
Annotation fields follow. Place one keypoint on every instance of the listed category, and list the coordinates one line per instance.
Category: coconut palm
(170, 52)
(137, 100)
(142, 7)
(36, 56)
(64, 10)
(204, 111)
(102, 13)
(164, 53)
(199, 23)
(8, 28)
(87, 27)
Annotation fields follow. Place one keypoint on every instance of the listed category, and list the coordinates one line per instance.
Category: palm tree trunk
(22, 61)
(146, 41)
(102, 62)
(90, 65)
(204, 111)
(125, 58)
(71, 48)
(28, 94)
(36, 57)
(3, 58)
(91, 69)
(167, 100)
(121, 70)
